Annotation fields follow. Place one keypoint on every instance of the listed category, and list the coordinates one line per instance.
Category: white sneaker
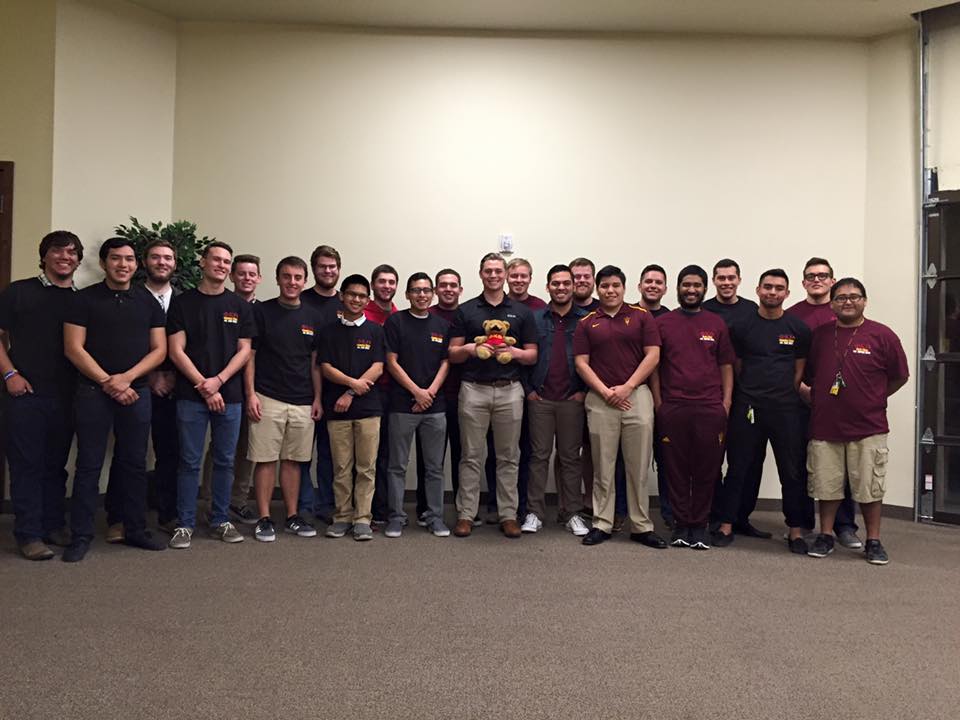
(577, 526)
(531, 523)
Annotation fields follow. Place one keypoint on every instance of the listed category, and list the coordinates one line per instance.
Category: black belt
(493, 383)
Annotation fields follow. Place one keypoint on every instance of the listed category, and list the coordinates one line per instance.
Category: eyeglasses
(420, 291)
(816, 276)
(844, 299)
(354, 295)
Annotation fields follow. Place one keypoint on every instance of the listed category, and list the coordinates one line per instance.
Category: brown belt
(493, 383)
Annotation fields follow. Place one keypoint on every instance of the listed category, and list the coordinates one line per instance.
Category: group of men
(506, 379)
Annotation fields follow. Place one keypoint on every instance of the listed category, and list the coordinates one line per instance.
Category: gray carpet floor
(541, 627)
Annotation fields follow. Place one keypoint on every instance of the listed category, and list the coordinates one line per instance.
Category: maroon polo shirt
(533, 302)
(615, 344)
(868, 357)
(813, 315)
(556, 386)
(451, 386)
(694, 346)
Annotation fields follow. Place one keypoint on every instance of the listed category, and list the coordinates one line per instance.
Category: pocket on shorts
(878, 483)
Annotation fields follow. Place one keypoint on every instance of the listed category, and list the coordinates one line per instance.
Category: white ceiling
(825, 18)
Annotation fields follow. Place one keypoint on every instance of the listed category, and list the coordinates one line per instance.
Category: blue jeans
(39, 431)
(192, 419)
(318, 501)
(97, 414)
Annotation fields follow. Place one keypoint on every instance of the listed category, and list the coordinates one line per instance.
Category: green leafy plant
(182, 235)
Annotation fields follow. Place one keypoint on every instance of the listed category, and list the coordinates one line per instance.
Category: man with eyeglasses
(854, 366)
(416, 353)
(816, 310)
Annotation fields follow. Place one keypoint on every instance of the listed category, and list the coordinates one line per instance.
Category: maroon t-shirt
(695, 345)
(556, 386)
(533, 302)
(451, 386)
(868, 357)
(615, 344)
(813, 315)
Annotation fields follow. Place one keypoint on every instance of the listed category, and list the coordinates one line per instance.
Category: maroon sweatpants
(691, 441)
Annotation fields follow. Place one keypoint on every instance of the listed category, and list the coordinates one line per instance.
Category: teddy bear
(496, 335)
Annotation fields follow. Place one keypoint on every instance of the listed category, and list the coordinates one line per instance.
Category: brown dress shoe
(36, 550)
(463, 528)
(115, 533)
(510, 528)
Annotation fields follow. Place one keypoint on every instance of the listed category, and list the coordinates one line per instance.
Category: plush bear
(496, 335)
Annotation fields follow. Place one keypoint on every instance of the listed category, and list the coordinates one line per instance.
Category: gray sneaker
(849, 540)
(181, 538)
(394, 528)
(338, 529)
(362, 531)
(437, 527)
(227, 532)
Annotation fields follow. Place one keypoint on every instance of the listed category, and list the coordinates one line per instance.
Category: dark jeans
(96, 415)
(318, 500)
(39, 431)
(786, 430)
(453, 438)
(523, 469)
(380, 508)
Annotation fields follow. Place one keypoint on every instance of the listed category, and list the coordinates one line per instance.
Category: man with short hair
(41, 382)
(855, 365)
(113, 333)
(245, 276)
(816, 310)
(383, 287)
(323, 297)
(771, 348)
(416, 345)
(351, 357)
(726, 303)
(616, 348)
(283, 384)
(652, 287)
(692, 391)
(519, 276)
(502, 337)
(584, 284)
(555, 395)
(209, 330)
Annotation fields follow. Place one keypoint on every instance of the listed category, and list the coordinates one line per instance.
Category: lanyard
(838, 381)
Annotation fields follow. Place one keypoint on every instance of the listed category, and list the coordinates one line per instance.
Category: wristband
(10, 374)
(222, 383)
(350, 392)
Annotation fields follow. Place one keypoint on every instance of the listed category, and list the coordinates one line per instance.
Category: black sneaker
(265, 531)
(76, 550)
(798, 546)
(721, 539)
(680, 538)
(296, 525)
(595, 537)
(145, 541)
(821, 547)
(875, 553)
(698, 539)
(243, 515)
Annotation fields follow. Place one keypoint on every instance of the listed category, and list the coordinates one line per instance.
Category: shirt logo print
(436, 337)
(306, 330)
(231, 317)
(787, 339)
(596, 324)
(363, 344)
(707, 336)
(626, 320)
(861, 350)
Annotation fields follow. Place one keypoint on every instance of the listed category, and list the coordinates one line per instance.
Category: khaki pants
(353, 446)
(633, 430)
(242, 468)
(562, 420)
(482, 407)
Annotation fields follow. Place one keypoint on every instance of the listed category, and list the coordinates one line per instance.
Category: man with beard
(726, 303)
(40, 383)
(816, 310)
(113, 333)
(616, 348)
(555, 395)
(491, 395)
(771, 349)
(324, 298)
(383, 287)
(584, 284)
(692, 391)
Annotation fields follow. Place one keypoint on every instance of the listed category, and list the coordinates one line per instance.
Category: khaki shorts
(863, 462)
(285, 432)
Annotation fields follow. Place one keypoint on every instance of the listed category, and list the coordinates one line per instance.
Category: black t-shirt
(286, 336)
(768, 351)
(421, 347)
(469, 325)
(662, 310)
(734, 312)
(118, 324)
(352, 350)
(327, 305)
(213, 324)
(32, 317)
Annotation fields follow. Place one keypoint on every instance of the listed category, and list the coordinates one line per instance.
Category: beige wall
(113, 120)
(892, 232)
(26, 120)
(944, 106)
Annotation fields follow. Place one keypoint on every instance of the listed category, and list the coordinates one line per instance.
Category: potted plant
(182, 235)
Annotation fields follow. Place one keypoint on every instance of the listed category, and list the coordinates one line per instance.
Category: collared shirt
(353, 323)
(45, 281)
(469, 325)
(616, 344)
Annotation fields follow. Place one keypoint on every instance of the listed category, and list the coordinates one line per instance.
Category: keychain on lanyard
(838, 382)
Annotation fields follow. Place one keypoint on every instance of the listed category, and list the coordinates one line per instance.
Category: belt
(494, 383)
